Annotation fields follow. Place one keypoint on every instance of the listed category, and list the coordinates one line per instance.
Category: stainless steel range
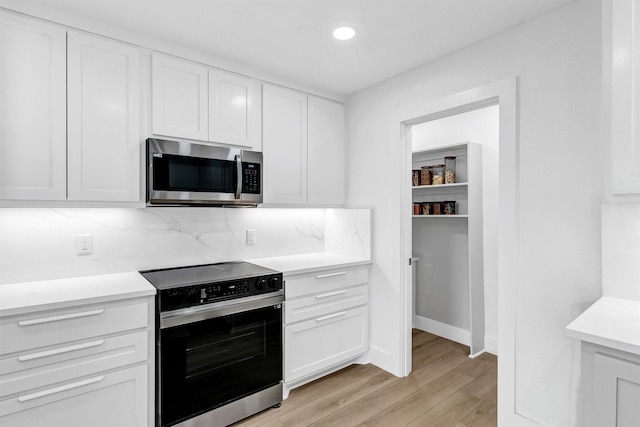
(219, 342)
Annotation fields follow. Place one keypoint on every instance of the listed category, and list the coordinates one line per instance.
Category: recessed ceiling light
(344, 33)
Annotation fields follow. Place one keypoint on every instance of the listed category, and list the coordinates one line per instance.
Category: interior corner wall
(557, 58)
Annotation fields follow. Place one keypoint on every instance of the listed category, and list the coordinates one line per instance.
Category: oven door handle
(226, 308)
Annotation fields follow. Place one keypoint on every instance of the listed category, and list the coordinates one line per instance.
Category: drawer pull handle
(62, 317)
(325, 276)
(330, 316)
(331, 294)
(60, 389)
(55, 351)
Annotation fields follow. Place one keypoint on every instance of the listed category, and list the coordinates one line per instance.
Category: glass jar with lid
(449, 170)
(438, 175)
(415, 175)
(426, 176)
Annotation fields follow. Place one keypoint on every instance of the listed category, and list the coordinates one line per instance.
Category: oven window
(206, 364)
(194, 174)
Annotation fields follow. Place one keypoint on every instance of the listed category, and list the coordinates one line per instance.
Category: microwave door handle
(238, 162)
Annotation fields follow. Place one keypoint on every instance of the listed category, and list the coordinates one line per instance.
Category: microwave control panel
(251, 178)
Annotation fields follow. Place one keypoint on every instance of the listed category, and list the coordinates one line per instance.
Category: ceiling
(292, 38)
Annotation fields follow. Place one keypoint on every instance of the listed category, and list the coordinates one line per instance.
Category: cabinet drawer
(317, 344)
(54, 327)
(324, 303)
(325, 281)
(118, 398)
(38, 368)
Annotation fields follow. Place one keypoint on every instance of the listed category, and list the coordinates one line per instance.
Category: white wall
(480, 126)
(39, 243)
(557, 58)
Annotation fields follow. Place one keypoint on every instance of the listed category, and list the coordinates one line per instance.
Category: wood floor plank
(449, 413)
(352, 415)
(475, 367)
(485, 386)
(394, 392)
(445, 388)
(485, 415)
(336, 400)
(317, 389)
(437, 366)
(412, 407)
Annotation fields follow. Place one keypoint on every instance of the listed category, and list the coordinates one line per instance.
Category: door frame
(505, 94)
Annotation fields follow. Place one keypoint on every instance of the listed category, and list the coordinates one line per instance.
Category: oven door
(217, 354)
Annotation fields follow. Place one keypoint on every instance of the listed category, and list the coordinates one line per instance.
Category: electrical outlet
(84, 244)
(251, 237)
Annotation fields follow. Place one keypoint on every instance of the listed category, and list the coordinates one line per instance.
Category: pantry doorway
(502, 96)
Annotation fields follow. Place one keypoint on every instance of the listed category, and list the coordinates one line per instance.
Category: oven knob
(260, 283)
(193, 296)
(273, 282)
(174, 298)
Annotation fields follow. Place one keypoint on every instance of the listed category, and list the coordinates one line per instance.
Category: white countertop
(307, 263)
(610, 322)
(21, 298)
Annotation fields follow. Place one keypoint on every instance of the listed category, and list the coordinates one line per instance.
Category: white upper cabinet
(326, 152)
(32, 110)
(234, 110)
(195, 102)
(304, 148)
(625, 95)
(180, 97)
(103, 120)
(284, 138)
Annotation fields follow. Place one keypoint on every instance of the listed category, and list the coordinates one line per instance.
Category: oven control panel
(194, 295)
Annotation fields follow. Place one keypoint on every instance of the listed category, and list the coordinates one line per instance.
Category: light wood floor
(446, 388)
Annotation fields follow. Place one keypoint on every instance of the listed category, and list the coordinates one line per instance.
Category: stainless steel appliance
(219, 343)
(186, 173)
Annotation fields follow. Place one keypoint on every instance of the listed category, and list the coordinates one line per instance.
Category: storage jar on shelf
(438, 175)
(449, 170)
(427, 208)
(415, 177)
(426, 175)
(449, 207)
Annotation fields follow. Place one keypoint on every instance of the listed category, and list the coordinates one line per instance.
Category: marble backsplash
(621, 251)
(40, 243)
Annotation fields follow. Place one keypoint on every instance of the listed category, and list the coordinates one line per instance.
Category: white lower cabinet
(611, 384)
(111, 399)
(88, 365)
(326, 322)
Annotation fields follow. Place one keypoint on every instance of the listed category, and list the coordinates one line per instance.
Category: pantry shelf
(450, 241)
(440, 216)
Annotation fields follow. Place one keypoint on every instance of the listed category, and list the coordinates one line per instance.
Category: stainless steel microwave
(191, 174)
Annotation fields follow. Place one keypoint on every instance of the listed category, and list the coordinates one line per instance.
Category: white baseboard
(443, 330)
(491, 345)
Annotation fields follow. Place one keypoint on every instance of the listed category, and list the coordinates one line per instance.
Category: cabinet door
(326, 152)
(32, 110)
(179, 98)
(104, 120)
(616, 392)
(234, 110)
(325, 341)
(118, 398)
(284, 140)
(625, 100)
